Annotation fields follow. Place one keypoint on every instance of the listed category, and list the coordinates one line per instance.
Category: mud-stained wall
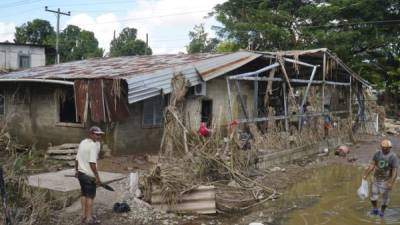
(131, 138)
(32, 115)
(217, 91)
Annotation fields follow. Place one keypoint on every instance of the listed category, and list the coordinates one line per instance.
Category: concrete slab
(57, 181)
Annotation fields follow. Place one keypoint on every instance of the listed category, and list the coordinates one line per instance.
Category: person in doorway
(86, 172)
(385, 164)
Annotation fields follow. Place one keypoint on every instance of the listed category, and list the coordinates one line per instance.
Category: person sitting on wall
(86, 172)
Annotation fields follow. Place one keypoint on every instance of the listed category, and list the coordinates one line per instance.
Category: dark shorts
(88, 185)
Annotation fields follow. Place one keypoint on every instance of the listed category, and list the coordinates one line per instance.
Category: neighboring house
(21, 56)
(125, 95)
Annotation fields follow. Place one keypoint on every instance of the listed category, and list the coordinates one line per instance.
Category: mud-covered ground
(272, 212)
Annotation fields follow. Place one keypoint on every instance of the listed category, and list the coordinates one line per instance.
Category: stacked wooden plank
(65, 152)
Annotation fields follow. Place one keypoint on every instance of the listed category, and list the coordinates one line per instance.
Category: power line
(382, 22)
(97, 3)
(144, 18)
(20, 3)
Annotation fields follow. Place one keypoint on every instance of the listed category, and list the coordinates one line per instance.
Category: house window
(67, 112)
(2, 103)
(24, 61)
(206, 111)
(152, 112)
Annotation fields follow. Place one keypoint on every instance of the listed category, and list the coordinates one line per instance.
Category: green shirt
(384, 165)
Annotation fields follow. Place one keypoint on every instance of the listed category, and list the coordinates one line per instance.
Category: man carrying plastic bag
(385, 164)
(363, 190)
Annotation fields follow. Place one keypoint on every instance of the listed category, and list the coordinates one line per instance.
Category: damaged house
(55, 104)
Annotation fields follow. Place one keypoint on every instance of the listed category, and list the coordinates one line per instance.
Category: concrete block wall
(130, 137)
(286, 156)
(218, 93)
(32, 115)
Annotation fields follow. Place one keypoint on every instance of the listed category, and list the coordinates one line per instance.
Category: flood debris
(392, 126)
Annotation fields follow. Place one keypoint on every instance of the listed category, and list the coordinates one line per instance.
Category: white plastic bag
(362, 191)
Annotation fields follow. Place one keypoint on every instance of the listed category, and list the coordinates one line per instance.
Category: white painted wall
(9, 56)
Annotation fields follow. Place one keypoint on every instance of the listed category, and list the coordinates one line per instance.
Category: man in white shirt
(86, 171)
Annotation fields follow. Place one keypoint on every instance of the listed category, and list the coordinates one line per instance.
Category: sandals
(93, 220)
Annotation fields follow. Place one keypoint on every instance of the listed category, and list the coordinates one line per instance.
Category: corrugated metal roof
(118, 67)
(151, 84)
(146, 76)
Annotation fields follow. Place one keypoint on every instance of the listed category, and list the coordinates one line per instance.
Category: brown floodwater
(330, 198)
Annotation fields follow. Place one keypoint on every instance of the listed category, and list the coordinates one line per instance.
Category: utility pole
(147, 44)
(58, 12)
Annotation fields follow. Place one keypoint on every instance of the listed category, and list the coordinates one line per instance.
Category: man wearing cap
(385, 164)
(86, 172)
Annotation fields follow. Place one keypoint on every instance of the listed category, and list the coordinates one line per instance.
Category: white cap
(95, 130)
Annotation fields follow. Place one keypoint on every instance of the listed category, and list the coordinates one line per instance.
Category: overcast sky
(167, 22)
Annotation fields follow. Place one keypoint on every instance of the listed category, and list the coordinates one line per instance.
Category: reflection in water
(334, 188)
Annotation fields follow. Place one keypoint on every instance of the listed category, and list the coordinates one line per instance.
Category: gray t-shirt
(384, 165)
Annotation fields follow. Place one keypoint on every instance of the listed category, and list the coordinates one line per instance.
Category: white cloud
(186, 14)
(103, 26)
(167, 22)
(7, 32)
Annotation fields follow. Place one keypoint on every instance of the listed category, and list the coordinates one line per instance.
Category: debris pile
(392, 126)
(189, 161)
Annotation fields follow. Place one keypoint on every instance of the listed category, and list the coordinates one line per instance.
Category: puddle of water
(332, 190)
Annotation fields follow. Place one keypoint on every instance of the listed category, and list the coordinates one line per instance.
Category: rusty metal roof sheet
(118, 67)
(146, 76)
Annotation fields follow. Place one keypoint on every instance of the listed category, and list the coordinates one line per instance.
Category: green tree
(128, 44)
(358, 31)
(78, 44)
(37, 31)
(199, 42)
(227, 46)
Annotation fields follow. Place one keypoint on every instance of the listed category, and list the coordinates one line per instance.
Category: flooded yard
(329, 197)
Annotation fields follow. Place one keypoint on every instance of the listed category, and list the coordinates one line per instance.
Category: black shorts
(88, 185)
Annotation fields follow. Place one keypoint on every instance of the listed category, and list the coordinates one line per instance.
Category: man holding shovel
(86, 172)
(385, 164)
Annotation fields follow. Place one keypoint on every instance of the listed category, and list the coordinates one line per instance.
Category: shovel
(105, 186)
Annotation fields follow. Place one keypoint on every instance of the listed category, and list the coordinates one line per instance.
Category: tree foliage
(74, 42)
(128, 44)
(37, 31)
(77, 44)
(199, 41)
(227, 46)
(361, 32)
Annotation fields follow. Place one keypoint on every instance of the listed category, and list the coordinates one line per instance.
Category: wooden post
(255, 98)
(241, 100)
(323, 81)
(229, 99)
(308, 89)
(350, 101)
(285, 105)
